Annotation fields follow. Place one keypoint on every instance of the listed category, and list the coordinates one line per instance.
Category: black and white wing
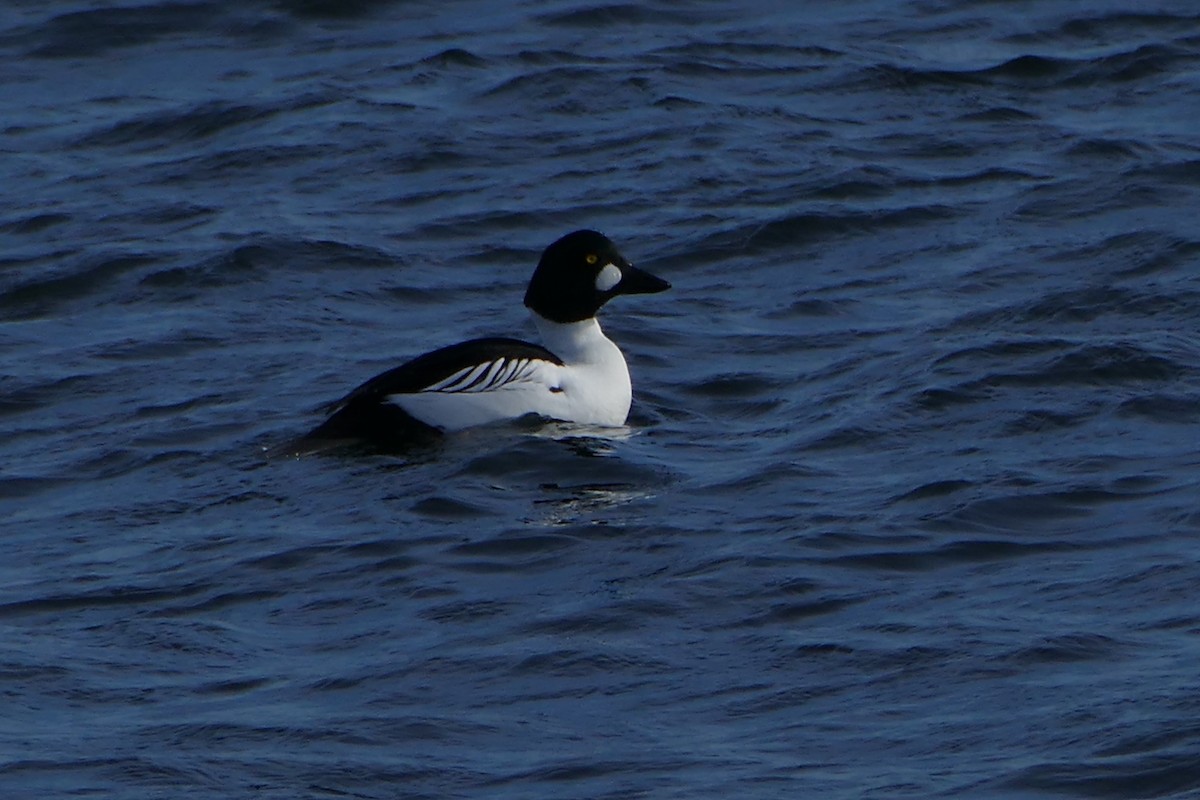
(476, 366)
(489, 375)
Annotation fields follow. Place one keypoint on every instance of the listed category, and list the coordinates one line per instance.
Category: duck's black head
(581, 272)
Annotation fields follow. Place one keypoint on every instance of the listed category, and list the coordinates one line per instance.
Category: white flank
(591, 387)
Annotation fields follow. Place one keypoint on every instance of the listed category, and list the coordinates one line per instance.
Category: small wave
(508, 550)
(740, 385)
(191, 124)
(1025, 511)
(231, 164)
(1106, 150)
(854, 188)
(195, 123)
(1001, 114)
(571, 90)
(613, 617)
(42, 296)
(1090, 303)
(849, 436)
(1161, 773)
(1037, 363)
(1132, 254)
(250, 262)
(616, 14)
(791, 612)
(1116, 26)
(1185, 172)
(116, 596)
(1004, 350)
(934, 489)
(454, 57)
(333, 9)
(962, 551)
(1131, 743)
(941, 398)
(96, 31)
(709, 60)
(570, 662)
(1067, 648)
(23, 487)
(166, 213)
(1027, 69)
(1032, 71)
(816, 308)
(1040, 420)
(34, 224)
(448, 508)
(108, 775)
(809, 227)
(465, 611)
(1177, 409)
(218, 601)
(744, 56)
(291, 559)
(1095, 365)
(20, 399)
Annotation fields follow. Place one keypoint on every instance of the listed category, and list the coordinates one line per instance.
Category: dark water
(908, 505)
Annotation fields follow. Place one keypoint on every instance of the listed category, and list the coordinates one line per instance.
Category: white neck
(575, 342)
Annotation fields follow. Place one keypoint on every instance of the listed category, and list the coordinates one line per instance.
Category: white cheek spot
(608, 277)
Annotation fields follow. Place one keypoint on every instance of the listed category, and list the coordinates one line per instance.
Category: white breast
(590, 387)
(595, 378)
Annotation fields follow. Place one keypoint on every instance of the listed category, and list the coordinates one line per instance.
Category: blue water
(908, 504)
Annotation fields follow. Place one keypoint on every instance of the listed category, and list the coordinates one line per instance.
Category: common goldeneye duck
(576, 375)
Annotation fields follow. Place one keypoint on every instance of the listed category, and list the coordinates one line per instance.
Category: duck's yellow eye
(591, 258)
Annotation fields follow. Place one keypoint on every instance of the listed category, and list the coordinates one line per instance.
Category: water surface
(907, 502)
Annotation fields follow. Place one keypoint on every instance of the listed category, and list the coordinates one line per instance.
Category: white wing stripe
(527, 372)
(446, 382)
(476, 380)
(493, 374)
(487, 376)
(511, 370)
(472, 378)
